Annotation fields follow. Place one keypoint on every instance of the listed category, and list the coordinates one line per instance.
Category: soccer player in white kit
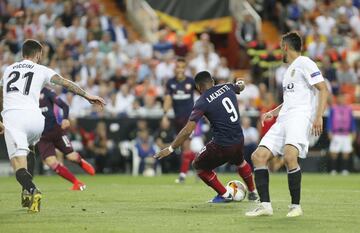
(23, 121)
(300, 114)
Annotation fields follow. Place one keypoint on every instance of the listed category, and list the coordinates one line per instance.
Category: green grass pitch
(136, 204)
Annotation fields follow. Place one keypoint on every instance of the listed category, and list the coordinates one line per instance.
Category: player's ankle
(266, 205)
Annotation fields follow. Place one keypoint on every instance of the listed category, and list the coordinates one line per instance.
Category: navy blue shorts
(54, 139)
(214, 155)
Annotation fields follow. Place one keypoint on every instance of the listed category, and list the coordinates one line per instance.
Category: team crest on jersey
(292, 73)
(173, 86)
(188, 86)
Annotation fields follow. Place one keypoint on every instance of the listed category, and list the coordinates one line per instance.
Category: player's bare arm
(270, 114)
(317, 127)
(71, 86)
(179, 140)
(167, 104)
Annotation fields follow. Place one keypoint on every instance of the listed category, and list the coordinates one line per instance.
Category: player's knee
(346, 155)
(258, 159)
(334, 155)
(72, 156)
(291, 161)
(51, 161)
(18, 162)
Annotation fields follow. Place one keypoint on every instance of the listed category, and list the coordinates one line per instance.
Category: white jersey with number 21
(22, 83)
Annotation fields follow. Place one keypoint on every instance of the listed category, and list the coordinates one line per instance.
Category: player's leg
(63, 144)
(245, 172)
(48, 154)
(236, 156)
(291, 154)
(346, 155)
(187, 157)
(25, 195)
(260, 159)
(16, 142)
(19, 164)
(60, 169)
(269, 146)
(345, 163)
(334, 150)
(76, 158)
(204, 164)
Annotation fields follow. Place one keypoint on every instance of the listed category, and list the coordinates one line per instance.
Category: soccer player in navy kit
(54, 137)
(219, 105)
(180, 96)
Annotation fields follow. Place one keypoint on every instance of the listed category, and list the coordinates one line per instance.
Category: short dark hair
(202, 78)
(293, 39)
(30, 48)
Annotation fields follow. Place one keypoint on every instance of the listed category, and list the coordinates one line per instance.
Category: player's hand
(266, 117)
(65, 124)
(240, 84)
(317, 126)
(2, 128)
(95, 100)
(163, 153)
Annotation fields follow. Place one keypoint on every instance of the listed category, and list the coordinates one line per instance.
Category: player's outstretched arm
(270, 114)
(323, 96)
(73, 87)
(179, 140)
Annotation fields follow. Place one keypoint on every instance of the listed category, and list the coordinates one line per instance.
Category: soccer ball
(237, 189)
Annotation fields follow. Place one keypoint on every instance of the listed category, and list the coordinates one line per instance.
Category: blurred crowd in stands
(83, 43)
(331, 34)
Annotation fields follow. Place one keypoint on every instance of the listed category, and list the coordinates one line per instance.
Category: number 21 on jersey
(230, 108)
(14, 78)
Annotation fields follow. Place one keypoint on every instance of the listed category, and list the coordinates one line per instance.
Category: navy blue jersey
(47, 100)
(182, 95)
(219, 105)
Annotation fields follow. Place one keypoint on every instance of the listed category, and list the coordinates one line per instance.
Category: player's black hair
(30, 48)
(293, 39)
(202, 78)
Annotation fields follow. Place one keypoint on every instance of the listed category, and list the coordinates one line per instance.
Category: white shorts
(293, 131)
(341, 144)
(22, 128)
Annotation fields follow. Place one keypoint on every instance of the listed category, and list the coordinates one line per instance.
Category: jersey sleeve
(198, 110)
(312, 72)
(48, 74)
